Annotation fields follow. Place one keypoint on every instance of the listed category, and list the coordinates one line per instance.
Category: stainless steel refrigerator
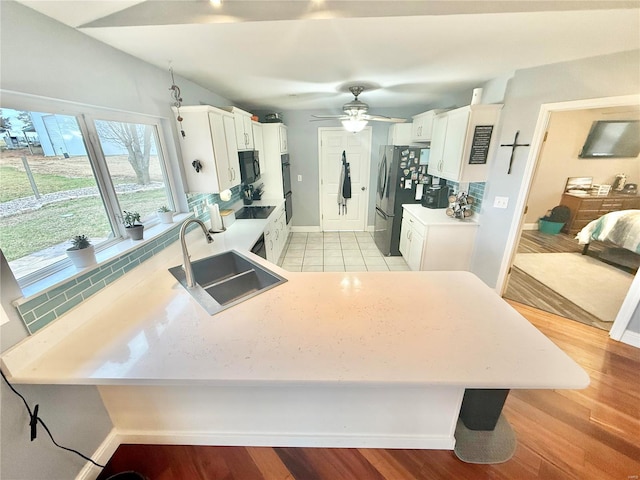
(402, 175)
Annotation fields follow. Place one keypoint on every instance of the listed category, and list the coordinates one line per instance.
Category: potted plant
(81, 253)
(134, 229)
(165, 215)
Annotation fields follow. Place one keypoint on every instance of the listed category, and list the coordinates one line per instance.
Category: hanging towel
(344, 185)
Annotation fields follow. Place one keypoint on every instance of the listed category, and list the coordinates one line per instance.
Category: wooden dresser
(585, 208)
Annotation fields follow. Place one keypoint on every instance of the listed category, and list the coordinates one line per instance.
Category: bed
(620, 231)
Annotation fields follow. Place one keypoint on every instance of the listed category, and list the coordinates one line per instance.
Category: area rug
(590, 283)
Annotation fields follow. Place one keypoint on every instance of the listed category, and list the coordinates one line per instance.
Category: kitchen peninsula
(325, 359)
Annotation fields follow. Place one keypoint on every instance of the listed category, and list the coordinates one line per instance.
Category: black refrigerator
(402, 175)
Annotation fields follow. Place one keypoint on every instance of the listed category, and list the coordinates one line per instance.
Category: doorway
(544, 181)
(357, 147)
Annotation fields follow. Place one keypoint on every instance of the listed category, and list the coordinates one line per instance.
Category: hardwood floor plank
(333, 463)
(269, 463)
(386, 464)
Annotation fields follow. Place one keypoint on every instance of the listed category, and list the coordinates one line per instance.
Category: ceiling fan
(355, 116)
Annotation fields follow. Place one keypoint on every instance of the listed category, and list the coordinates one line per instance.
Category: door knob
(363, 189)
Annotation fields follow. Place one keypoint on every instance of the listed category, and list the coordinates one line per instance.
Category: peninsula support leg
(481, 408)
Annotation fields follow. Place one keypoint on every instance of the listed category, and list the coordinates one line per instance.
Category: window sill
(103, 256)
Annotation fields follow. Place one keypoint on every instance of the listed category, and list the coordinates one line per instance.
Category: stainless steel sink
(226, 279)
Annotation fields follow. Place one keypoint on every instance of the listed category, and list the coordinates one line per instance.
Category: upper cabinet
(422, 125)
(462, 143)
(209, 151)
(400, 134)
(258, 143)
(244, 128)
(277, 137)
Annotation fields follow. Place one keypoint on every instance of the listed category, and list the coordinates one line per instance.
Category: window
(135, 166)
(55, 184)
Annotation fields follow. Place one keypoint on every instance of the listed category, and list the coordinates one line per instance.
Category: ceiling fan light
(354, 125)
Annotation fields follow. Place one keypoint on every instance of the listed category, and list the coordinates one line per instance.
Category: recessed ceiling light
(215, 3)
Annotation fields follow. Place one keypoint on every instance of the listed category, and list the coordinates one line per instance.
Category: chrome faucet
(188, 271)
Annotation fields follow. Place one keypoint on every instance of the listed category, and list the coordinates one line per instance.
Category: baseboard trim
(102, 455)
(631, 338)
(316, 229)
(530, 226)
(305, 229)
(429, 442)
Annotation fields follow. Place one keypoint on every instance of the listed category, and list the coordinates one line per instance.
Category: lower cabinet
(412, 241)
(275, 235)
(443, 244)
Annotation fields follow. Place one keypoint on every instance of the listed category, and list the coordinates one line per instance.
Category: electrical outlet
(299, 178)
(501, 202)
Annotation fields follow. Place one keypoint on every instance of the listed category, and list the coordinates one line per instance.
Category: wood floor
(590, 434)
(527, 290)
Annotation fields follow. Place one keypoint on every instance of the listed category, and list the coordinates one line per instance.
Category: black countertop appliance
(436, 196)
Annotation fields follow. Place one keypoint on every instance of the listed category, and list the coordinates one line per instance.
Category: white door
(357, 148)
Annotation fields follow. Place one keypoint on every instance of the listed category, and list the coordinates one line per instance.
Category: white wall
(594, 77)
(42, 57)
(559, 159)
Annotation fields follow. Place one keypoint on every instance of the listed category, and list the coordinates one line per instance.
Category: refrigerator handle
(382, 214)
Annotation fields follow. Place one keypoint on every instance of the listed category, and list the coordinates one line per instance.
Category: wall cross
(513, 146)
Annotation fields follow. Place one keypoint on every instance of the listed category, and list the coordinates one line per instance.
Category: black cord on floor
(35, 419)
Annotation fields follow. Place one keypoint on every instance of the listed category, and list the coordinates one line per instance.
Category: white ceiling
(268, 54)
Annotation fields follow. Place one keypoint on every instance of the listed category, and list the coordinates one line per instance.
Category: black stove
(251, 212)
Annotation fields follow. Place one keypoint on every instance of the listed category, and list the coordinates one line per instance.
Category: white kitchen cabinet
(400, 134)
(275, 235)
(277, 137)
(209, 142)
(422, 125)
(258, 144)
(244, 128)
(462, 143)
(412, 240)
(432, 241)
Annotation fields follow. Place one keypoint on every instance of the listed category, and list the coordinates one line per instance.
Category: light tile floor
(336, 252)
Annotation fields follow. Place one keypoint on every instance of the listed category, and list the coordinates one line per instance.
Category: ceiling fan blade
(330, 117)
(382, 118)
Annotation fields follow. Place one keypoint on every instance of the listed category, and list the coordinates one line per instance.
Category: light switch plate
(501, 202)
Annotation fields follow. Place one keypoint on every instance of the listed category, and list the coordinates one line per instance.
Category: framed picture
(578, 185)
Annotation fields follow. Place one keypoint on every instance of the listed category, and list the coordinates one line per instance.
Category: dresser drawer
(587, 214)
(591, 203)
(611, 205)
(631, 204)
(579, 225)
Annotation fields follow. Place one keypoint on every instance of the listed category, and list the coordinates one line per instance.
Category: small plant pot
(82, 258)
(165, 217)
(135, 232)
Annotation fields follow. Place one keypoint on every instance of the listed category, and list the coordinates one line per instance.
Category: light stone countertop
(436, 216)
(422, 328)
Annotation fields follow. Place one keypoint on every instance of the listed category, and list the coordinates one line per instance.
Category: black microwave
(249, 166)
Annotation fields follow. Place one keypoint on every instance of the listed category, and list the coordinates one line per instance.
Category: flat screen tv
(612, 139)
